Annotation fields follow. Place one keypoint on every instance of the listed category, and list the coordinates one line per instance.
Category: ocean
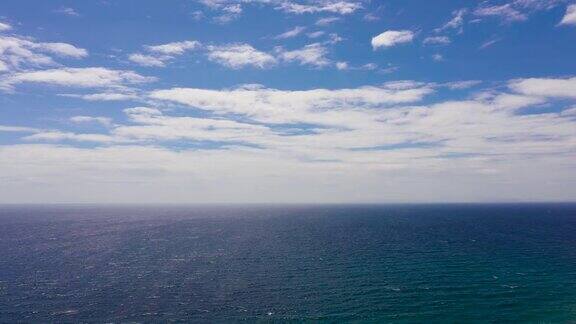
(327, 263)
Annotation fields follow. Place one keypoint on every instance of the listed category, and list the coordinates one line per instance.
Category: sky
(287, 101)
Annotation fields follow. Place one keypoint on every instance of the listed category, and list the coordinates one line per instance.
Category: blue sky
(287, 101)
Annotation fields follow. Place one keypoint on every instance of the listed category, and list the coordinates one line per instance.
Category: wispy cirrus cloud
(506, 12)
(94, 77)
(291, 33)
(312, 54)
(331, 6)
(456, 23)
(160, 55)
(437, 40)
(67, 11)
(327, 21)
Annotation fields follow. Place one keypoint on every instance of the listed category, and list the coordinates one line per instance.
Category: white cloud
(18, 129)
(456, 22)
(489, 43)
(175, 48)
(18, 52)
(68, 12)
(459, 85)
(104, 96)
(228, 10)
(230, 13)
(327, 21)
(57, 136)
(365, 137)
(570, 112)
(537, 4)
(332, 6)
(237, 56)
(291, 33)
(342, 65)
(438, 57)
(160, 54)
(61, 49)
(334, 38)
(369, 66)
(277, 106)
(506, 12)
(437, 40)
(105, 121)
(371, 17)
(152, 124)
(570, 16)
(4, 26)
(311, 54)
(95, 77)
(315, 34)
(391, 38)
(147, 60)
(545, 87)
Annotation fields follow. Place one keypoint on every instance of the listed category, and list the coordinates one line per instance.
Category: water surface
(420, 263)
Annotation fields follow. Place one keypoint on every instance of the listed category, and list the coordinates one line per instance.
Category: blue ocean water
(397, 263)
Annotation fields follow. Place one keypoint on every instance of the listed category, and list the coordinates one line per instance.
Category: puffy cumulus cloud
(570, 16)
(240, 55)
(494, 152)
(392, 38)
(283, 140)
(311, 54)
(18, 52)
(545, 87)
(159, 55)
(95, 77)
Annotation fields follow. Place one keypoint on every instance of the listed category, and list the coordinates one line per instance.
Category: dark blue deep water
(421, 263)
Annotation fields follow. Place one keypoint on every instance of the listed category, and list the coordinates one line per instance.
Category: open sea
(334, 263)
